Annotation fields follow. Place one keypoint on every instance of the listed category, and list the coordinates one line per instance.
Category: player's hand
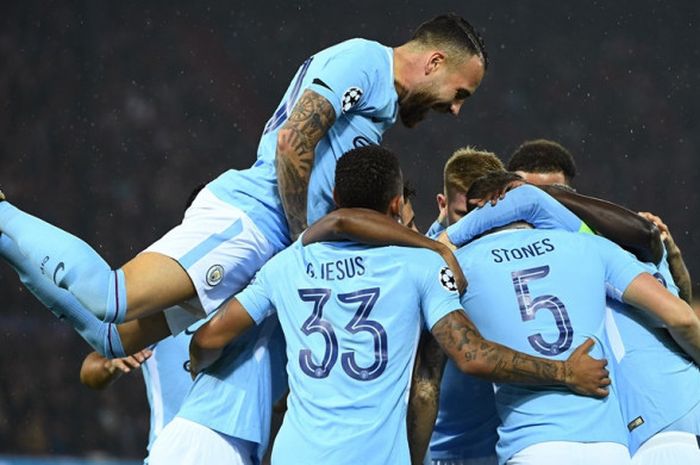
(126, 364)
(494, 197)
(665, 233)
(586, 375)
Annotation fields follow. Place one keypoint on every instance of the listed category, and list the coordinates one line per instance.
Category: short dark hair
(543, 156)
(454, 30)
(488, 184)
(409, 191)
(367, 177)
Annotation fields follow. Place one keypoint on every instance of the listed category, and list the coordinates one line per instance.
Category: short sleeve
(524, 203)
(346, 78)
(255, 299)
(621, 267)
(439, 294)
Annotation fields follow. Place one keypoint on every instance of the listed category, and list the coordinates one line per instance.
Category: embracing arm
(371, 227)
(646, 293)
(308, 122)
(208, 342)
(614, 222)
(676, 264)
(424, 396)
(479, 357)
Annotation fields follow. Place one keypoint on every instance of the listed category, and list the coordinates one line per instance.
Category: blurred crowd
(112, 113)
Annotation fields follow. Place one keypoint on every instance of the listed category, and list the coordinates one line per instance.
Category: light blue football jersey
(357, 78)
(659, 384)
(466, 422)
(543, 293)
(351, 316)
(525, 203)
(235, 395)
(167, 378)
(435, 229)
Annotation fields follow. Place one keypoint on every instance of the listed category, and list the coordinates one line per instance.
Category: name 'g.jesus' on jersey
(351, 317)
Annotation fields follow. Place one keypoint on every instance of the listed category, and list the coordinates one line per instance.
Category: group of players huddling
(568, 345)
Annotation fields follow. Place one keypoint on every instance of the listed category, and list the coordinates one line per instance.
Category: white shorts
(184, 442)
(572, 453)
(670, 447)
(220, 248)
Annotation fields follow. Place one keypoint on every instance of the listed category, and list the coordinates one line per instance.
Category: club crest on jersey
(447, 279)
(215, 274)
(351, 97)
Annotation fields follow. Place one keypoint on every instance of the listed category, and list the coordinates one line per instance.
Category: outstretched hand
(586, 375)
(126, 364)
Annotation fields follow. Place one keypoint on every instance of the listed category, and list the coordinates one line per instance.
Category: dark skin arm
(622, 226)
(373, 228)
(98, 372)
(424, 397)
(308, 122)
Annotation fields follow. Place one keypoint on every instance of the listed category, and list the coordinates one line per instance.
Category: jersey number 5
(360, 322)
(529, 307)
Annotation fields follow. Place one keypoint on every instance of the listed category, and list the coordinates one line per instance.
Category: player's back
(351, 317)
(659, 384)
(543, 293)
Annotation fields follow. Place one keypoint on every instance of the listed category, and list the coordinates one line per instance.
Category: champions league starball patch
(351, 97)
(447, 279)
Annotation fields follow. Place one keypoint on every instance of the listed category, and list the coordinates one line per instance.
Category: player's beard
(414, 107)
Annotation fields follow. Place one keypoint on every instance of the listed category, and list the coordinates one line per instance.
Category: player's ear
(441, 201)
(395, 207)
(335, 199)
(435, 60)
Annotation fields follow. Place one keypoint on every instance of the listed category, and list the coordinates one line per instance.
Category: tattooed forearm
(460, 339)
(308, 122)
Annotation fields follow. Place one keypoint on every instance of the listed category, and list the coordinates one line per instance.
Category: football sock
(103, 337)
(65, 261)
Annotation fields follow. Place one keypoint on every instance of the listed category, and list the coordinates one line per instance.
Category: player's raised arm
(479, 357)
(622, 226)
(308, 122)
(676, 264)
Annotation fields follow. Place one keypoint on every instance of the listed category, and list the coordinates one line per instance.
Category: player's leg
(668, 447)
(65, 261)
(188, 443)
(103, 337)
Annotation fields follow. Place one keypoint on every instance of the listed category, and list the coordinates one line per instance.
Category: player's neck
(405, 60)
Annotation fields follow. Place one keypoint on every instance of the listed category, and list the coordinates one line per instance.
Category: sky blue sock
(103, 337)
(65, 261)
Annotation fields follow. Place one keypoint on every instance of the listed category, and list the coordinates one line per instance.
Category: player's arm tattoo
(473, 354)
(679, 272)
(424, 396)
(309, 121)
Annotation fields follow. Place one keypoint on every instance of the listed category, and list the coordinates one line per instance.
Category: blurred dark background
(113, 111)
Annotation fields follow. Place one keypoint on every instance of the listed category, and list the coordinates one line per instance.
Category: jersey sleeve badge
(351, 97)
(447, 279)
